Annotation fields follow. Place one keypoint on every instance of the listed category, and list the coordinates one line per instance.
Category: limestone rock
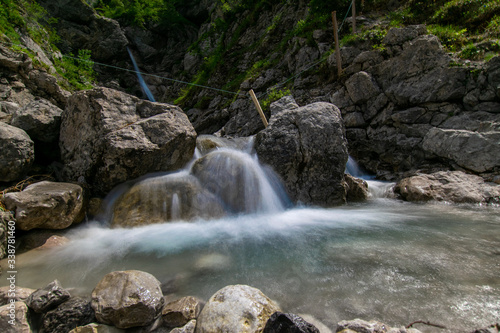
(17, 153)
(288, 322)
(182, 311)
(18, 312)
(362, 326)
(21, 294)
(479, 152)
(70, 314)
(284, 103)
(307, 147)
(48, 298)
(127, 299)
(40, 119)
(109, 137)
(47, 205)
(235, 309)
(451, 186)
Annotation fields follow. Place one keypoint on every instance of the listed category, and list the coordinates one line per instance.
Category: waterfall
(139, 77)
(376, 188)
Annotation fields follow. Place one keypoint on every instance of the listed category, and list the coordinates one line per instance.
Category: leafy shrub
(452, 37)
(78, 71)
(470, 51)
(273, 96)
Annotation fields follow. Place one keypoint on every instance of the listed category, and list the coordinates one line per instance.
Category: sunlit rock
(127, 299)
(180, 312)
(48, 205)
(40, 119)
(21, 294)
(235, 309)
(19, 322)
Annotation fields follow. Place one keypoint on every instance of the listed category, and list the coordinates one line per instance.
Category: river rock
(234, 309)
(357, 189)
(5, 217)
(307, 147)
(362, 326)
(47, 205)
(109, 137)
(127, 299)
(162, 199)
(40, 119)
(451, 186)
(479, 152)
(48, 298)
(96, 328)
(70, 314)
(289, 323)
(17, 312)
(21, 294)
(178, 313)
(17, 153)
(190, 327)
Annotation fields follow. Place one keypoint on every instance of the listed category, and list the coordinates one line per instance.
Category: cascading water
(376, 188)
(387, 260)
(143, 84)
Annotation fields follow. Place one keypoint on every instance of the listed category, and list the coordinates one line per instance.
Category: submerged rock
(451, 186)
(127, 299)
(235, 309)
(47, 205)
(17, 153)
(288, 323)
(48, 298)
(307, 147)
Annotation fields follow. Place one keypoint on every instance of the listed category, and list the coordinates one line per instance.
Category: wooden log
(257, 106)
(337, 44)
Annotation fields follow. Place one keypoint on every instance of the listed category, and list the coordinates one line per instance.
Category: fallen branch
(26, 182)
(426, 323)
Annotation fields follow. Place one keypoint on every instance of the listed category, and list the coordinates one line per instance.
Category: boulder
(21, 294)
(70, 314)
(40, 119)
(289, 323)
(47, 205)
(362, 87)
(307, 147)
(450, 186)
(282, 104)
(236, 308)
(479, 152)
(14, 318)
(48, 298)
(109, 137)
(127, 299)
(180, 312)
(363, 326)
(17, 153)
(357, 189)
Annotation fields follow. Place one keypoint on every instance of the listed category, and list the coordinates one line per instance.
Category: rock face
(17, 152)
(40, 119)
(127, 299)
(48, 298)
(47, 205)
(109, 137)
(70, 314)
(20, 318)
(288, 322)
(452, 186)
(237, 308)
(307, 147)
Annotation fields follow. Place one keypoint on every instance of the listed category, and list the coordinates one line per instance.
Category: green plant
(273, 96)
(452, 37)
(470, 51)
(78, 71)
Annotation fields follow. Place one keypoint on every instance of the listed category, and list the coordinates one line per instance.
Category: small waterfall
(139, 77)
(376, 188)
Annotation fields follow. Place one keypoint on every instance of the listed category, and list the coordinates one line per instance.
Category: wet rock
(362, 326)
(21, 294)
(167, 198)
(450, 186)
(208, 143)
(357, 189)
(47, 205)
(48, 298)
(14, 318)
(288, 323)
(127, 299)
(188, 328)
(478, 152)
(109, 137)
(180, 312)
(307, 147)
(70, 314)
(96, 328)
(40, 119)
(237, 308)
(17, 153)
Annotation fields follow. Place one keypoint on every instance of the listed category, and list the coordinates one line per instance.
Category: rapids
(384, 259)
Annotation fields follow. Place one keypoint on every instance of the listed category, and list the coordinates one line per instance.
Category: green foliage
(273, 96)
(328, 6)
(400, 17)
(452, 37)
(493, 28)
(470, 51)
(78, 71)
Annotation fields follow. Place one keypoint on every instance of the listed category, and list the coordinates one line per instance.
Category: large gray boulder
(450, 186)
(127, 299)
(47, 205)
(307, 147)
(235, 309)
(40, 119)
(17, 153)
(109, 137)
(476, 151)
(14, 318)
